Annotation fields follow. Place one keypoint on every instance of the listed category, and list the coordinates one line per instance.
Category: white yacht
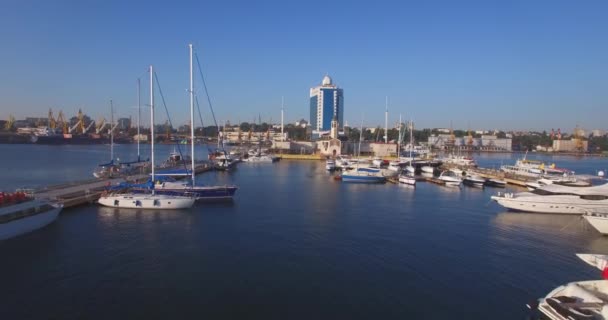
(21, 213)
(450, 179)
(557, 199)
(578, 300)
(394, 165)
(598, 220)
(427, 169)
(474, 181)
(407, 179)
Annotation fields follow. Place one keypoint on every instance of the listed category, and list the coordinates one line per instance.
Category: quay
(88, 191)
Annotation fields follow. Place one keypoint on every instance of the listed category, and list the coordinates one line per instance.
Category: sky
(507, 65)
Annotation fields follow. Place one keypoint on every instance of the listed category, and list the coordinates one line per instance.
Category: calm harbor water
(293, 244)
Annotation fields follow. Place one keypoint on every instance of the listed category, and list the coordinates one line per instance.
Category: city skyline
(478, 65)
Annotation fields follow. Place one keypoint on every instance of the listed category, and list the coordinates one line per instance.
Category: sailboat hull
(201, 193)
(136, 201)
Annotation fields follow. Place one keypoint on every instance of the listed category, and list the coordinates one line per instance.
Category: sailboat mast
(386, 122)
(111, 131)
(152, 121)
(399, 141)
(138, 113)
(191, 116)
(411, 135)
(282, 101)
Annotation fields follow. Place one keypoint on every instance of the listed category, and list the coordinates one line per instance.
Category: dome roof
(326, 81)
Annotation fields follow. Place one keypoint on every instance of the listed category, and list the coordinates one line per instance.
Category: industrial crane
(61, 122)
(91, 124)
(101, 124)
(79, 123)
(52, 122)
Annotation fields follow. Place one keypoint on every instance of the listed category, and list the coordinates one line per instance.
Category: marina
(286, 236)
(282, 160)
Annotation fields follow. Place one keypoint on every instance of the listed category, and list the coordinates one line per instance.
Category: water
(293, 244)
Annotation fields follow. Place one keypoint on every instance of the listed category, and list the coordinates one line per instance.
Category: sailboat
(408, 177)
(110, 169)
(363, 174)
(134, 166)
(169, 186)
(153, 200)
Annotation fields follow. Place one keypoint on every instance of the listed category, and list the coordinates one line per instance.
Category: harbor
(238, 160)
(392, 230)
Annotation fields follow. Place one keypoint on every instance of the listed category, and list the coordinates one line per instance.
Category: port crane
(52, 122)
(101, 124)
(91, 124)
(61, 122)
(79, 124)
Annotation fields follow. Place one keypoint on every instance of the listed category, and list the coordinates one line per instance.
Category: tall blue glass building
(326, 101)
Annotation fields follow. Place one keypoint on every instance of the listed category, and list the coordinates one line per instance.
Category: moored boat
(578, 300)
(474, 181)
(450, 179)
(496, 183)
(407, 179)
(557, 199)
(598, 220)
(363, 175)
(427, 169)
(21, 213)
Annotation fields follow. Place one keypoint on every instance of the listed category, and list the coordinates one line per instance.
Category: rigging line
(160, 91)
(200, 115)
(200, 70)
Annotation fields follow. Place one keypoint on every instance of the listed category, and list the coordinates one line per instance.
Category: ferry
(21, 213)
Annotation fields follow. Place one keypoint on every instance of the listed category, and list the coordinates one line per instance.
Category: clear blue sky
(478, 64)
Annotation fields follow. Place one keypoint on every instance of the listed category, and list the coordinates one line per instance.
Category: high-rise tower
(326, 101)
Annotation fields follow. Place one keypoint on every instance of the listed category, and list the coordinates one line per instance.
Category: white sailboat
(147, 201)
(408, 176)
(178, 188)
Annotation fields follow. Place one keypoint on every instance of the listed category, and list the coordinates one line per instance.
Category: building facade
(326, 101)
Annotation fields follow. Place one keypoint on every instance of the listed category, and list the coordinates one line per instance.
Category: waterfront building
(331, 145)
(572, 145)
(326, 101)
(124, 124)
(486, 142)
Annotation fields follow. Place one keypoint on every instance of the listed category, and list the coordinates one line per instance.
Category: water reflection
(515, 221)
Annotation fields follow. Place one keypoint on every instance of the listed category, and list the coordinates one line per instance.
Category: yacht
(427, 169)
(474, 181)
(450, 179)
(21, 213)
(598, 220)
(394, 165)
(557, 199)
(330, 165)
(364, 175)
(407, 178)
(578, 300)
(497, 183)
